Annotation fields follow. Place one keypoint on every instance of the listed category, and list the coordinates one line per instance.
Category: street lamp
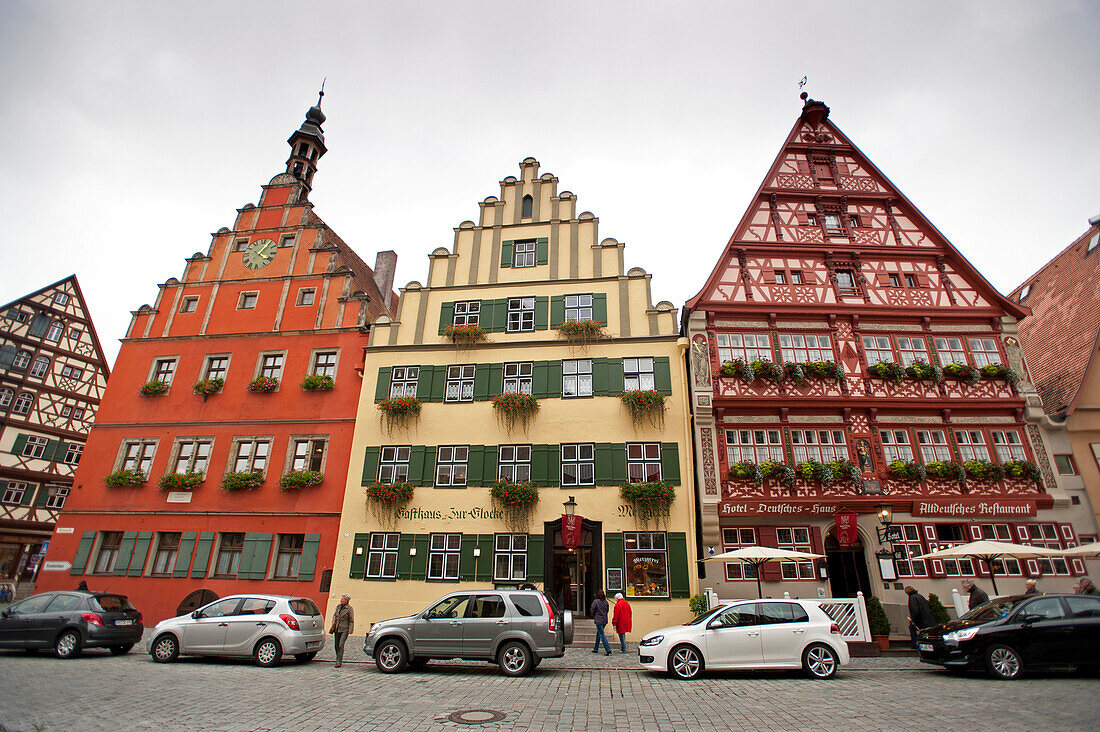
(885, 514)
(570, 506)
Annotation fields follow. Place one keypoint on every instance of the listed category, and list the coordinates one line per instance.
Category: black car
(69, 622)
(1018, 632)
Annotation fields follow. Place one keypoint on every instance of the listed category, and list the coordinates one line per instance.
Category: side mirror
(196, 614)
(716, 623)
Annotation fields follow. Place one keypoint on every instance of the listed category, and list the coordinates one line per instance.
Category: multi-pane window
(745, 346)
(229, 555)
(1046, 535)
(578, 307)
(382, 557)
(780, 277)
(460, 383)
(55, 331)
(578, 465)
(443, 556)
(61, 298)
(735, 539)
(895, 444)
(576, 378)
(248, 300)
(192, 456)
(908, 547)
(78, 413)
(6, 395)
(637, 374)
(189, 304)
(22, 360)
(1008, 446)
(35, 446)
(393, 465)
(109, 544)
(510, 558)
(911, 349)
(164, 369)
(40, 366)
(55, 497)
(753, 446)
(271, 365)
(797, 539)
(15, 491)
(251, 456)
(19, 316)
(514, 463)
(933, 446)
(950, 350)
(821, 445)
(646, 555)
(164, 559)
(73, 453)
(523, 253)
(450, 465)
(521, 314)
(23, 403)
(1001, 532)
(832, 222)
(877, 348)
(324, 363)
(518, 377)
(972, 445)
(306, 295)
(288, 557)
(846, 282)
(403, 381)
(309, 454)
(796, 348)
(138, 455)
(796, 277)
(911, 281)
(949, 535)
(467, 313)
(216, 367)
(984, 351)
(643, 461)
(71, 372)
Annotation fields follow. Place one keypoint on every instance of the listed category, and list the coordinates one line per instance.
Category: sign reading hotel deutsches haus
(974, 508)
(530, 263)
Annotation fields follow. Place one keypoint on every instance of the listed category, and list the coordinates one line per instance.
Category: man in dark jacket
(598, 611)
(977, 595)
(920, 613)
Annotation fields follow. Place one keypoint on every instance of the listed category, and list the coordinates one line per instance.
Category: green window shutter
(446, 316)
(481, 382)
(475, 466)
(439, 383)
(261, 552)
(29, 494)
(599, 377)
(202, 553)
(604, 459)
(484, 563)
(496, 379)
(599, 307)
(309, 557)
(50, 453)
(553, 378)
(535, 557)
(248, 550)
(542, 312)
(506, 253)
(183, 556)
(489, 466)
(613, 552)
(17, 447)
(360, 547)
(539, 458)
(466, 558)
(542, 250)
(557, 310)
(382, 389)
(662, 375)
(614, 376)
(416, 464)
(670, 462)
(370, 464)
(424, 383)
(678, 564)
(125, 552)
(486, 317)
(420, 561)
(404, 561)
(83, 549)
(553, 465)
(500, 316)
(42, 496)
(618, 463)
(141, 553)
(540, 379)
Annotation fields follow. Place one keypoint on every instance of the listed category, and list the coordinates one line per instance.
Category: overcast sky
(132, 130)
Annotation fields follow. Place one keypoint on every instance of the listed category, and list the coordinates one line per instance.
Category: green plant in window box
(263, 385)
(318, 382)
(465, 334)
(649, 499)
(181, 481)
(887, 371)
(154, 388)
(399, 411)
(768, 371)
(984, 470)
(746, 471)
(242, 481)
(946, 470)
(907, 470)
(644, 405)
(581, 332)
(846, 471)
(206, 387)
(517, 501)
(779, 471)
(515, 408)
(997, 371)
(921, 370)
(738, 368)
(962, 372)
(1023, 469)
(823, 370)
(794, 373)
(125, 479)
(294, 480)
(813, 470)
(385, 501)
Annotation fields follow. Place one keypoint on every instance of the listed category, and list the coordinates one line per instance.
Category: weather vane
(801, 83)
(321, 94)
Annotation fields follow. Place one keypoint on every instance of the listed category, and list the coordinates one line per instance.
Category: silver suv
(514, 628)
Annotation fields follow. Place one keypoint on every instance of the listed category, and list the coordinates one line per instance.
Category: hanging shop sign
(846, 534)
(571, 530)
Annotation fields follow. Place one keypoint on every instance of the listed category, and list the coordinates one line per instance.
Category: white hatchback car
(749, 634)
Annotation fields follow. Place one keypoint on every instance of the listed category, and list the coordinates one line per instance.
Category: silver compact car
(265, 627)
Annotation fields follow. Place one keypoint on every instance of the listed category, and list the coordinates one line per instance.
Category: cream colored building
(530, 263)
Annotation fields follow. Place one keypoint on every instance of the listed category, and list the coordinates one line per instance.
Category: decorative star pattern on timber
(860, 423)
(890, 390)
(858, 183)
(808, 235)
(868, 236)
(796, 181)
(988, 388)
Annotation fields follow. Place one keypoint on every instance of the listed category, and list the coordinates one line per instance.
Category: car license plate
(925, 647)
(124, 622)
(312, 644)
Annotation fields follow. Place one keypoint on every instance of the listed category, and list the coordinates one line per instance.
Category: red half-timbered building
(218, 459)
(845, 357)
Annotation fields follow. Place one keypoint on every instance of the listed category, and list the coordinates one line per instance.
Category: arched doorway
(574, 575)
(195, 600)
(848, 572)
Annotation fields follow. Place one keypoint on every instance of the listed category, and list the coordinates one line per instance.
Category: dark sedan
(69, 622)
(1018, 632)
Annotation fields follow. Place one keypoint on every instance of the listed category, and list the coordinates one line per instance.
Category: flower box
(154, 388)
(767, 370)
(984, 470)
(823, 370)
(581, 331)
(644, 404)
(125, 479)
(1022, 469)
(887, 371)
(813, 470)
(922, 370)
(467, 334)
(181, 481)
(962, 372)
(846, 471)
(294, 480)
(650, 497)
(907, 470)
(244, 481)
(389, 493)
(517, 502)
(206, 387)
(997, 371)
(263, 385)
(318, 382)
(945, 470)
(515, 407)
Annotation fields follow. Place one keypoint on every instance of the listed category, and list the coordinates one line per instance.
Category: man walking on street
(621, 619)
(598, 612)
(977, 595)
(920, 613)
(1086, 587)
(343, 623)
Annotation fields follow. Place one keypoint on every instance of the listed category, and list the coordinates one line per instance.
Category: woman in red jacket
(620, 619)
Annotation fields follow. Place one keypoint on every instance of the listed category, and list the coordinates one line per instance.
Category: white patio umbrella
(760, 555)
(1091, 549)
(990, 551)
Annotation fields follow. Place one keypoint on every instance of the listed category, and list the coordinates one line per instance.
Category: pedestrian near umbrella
(989, 552)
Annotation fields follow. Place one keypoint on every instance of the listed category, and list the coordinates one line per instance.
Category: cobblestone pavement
(582, 691)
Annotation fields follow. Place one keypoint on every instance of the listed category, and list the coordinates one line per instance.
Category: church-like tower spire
(307, 145)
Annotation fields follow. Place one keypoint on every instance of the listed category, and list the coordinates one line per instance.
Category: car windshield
(111, 603)
(993, 609)
(302, 606)
(706, 616)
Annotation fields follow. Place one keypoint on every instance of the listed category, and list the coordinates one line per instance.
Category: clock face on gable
(260, 253)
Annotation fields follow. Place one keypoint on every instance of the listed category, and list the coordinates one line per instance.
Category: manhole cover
(476, 716)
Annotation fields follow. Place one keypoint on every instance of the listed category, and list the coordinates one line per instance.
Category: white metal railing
(712, 598)
(850, 613)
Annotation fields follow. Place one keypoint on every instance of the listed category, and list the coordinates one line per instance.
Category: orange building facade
(218, 459)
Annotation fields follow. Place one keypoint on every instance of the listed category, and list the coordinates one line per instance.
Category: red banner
(846, 530)
(571, 530)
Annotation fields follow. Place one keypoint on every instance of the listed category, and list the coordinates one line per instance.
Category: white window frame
(248, 300)
(643, 462)
(638, 374)
(933, 446)
(328, 369)
(306, 296)
(510, 555)
(896, 445)
(798, 539)
(263, 367)
(950, 350)
(192, 454)
(22, 359)
(984, 351)
(647, 542)
(745, 346)
(189, 304)
(821, 444)
(382, 555)
(466, 312)
(61, 298)
(972, 445)
(137, 454)
(1046, 535)
(35, 447)
(910, 546)
(912, 349)
(802, 347)
(403, 381)
(73, 453)
(301, 451)
(753, 445)
(582, 457)
(446, 550)
(68, 371)
(578, 307)
(208, 371)
(514, 463)
(459, 386)
(57, 329)
(39, 367)
(244, 461)
(163, 369)
(576, 377)
(519, 377)
(734, 538)
(7, 395)
(877, 349)
(521, 315)
(451, 466)
(1008, 445)
(23, 403)
(393, 463)
(55, 496)
(15, 491)
(523, 252)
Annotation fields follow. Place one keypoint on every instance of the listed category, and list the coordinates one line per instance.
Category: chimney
(385, 267)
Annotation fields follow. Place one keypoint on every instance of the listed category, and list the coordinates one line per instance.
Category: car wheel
(391, 657)
(820, 662)
(515, 659)
(268, 652)
(121, 650)
(685, 662)
(1004, 662)
(67, 644)
(305, 657)
(165, 649)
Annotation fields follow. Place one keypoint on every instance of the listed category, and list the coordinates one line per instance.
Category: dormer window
(1094, 240)
(1025, 291)
(528, 207)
